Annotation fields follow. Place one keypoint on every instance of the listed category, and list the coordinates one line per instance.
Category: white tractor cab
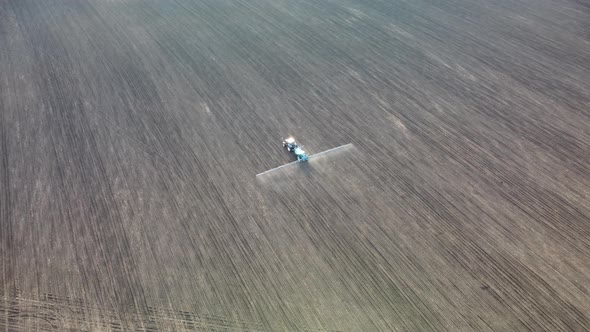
(290, 144)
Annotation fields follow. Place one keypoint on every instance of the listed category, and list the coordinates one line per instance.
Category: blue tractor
(293, 147)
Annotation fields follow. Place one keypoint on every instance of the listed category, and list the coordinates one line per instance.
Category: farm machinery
(293, 147)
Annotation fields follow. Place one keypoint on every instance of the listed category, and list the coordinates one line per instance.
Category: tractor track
(57, 313)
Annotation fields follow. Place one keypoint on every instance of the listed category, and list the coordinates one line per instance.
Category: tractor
(293, 147)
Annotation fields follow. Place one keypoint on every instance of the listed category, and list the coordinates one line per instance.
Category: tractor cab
(290, 144)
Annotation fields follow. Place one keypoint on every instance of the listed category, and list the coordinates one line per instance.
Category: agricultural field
(132, 131)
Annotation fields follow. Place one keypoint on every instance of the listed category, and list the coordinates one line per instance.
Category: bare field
(131, 133)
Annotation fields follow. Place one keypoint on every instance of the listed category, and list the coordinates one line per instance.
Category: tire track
(64, 313)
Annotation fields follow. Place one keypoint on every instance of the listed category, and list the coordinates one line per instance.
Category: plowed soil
(131, 133)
